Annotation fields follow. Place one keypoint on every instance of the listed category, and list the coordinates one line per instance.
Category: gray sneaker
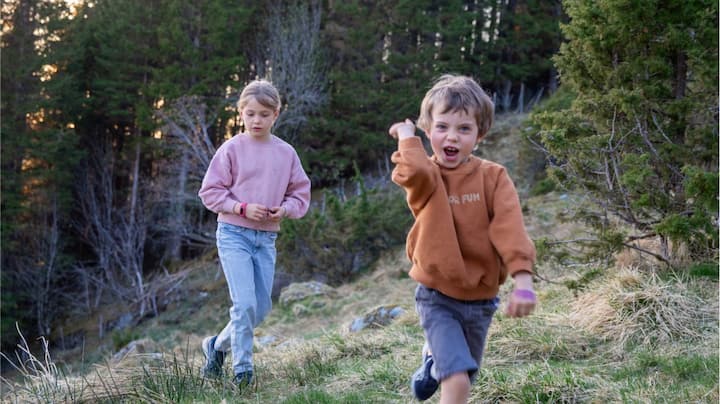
(213, 359)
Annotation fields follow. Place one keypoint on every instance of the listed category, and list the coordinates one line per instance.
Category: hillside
(630, 333)
(633, 335)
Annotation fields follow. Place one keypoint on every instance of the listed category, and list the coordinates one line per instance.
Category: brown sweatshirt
(468, 233)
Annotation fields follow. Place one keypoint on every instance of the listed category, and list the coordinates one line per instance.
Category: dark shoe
(423, 385)
(213, 359)
(243, 379)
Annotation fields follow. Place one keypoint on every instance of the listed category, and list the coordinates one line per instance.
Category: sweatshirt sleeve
(413, 172)
(507, 230)
(215, 189)
(297, 197)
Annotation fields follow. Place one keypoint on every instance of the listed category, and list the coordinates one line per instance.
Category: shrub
(337, 240)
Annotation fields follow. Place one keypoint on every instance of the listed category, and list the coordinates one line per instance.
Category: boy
(468, 235)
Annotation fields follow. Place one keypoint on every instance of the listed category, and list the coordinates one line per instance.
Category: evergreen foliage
(385, 55)
(99, 194)
(641, 135)
(38, 157)
(337, 241)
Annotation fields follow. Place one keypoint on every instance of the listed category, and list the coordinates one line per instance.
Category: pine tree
(641, 136)
(38, 157)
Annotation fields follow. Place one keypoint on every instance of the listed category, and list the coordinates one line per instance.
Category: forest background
(111, 110)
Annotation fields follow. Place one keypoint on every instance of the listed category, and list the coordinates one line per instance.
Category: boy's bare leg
(455, 389)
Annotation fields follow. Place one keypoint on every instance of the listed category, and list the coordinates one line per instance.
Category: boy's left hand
(522, 299)
(522, 302)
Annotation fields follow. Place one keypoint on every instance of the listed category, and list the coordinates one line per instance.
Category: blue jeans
(247, 257)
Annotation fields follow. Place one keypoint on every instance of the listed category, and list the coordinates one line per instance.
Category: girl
(254, 181)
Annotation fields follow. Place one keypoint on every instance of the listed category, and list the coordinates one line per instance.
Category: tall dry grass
(638, 307)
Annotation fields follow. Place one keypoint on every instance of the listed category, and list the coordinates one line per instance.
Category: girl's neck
(260, 139)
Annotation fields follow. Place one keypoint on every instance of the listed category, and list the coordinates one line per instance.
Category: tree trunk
(178, 210)
(680, 67)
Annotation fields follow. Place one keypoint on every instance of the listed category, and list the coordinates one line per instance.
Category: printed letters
(465, 198)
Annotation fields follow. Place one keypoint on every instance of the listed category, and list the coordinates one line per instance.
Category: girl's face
(258, 119)
(453, 135)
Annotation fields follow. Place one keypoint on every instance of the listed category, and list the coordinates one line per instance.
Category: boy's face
(453, 135)
(258, 119)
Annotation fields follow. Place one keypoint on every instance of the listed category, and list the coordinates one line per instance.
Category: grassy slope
(630, 336)
(588, 346)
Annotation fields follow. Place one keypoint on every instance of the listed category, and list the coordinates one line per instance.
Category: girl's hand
(257, 212)
(277, 213)
(402, 130)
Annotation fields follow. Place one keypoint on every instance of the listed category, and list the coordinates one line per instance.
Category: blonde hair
(454, 93)
(263, 92)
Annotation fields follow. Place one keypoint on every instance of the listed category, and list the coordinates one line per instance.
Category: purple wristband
(525, 294)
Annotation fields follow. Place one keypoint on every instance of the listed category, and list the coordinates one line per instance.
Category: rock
(145, 348)
(124, 321)
(302, 290)
(378, 317)
(265, 340)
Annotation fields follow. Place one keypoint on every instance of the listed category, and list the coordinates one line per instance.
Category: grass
(705, 269)
(629, 336)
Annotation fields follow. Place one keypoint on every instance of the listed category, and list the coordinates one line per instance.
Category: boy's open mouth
(451, 151)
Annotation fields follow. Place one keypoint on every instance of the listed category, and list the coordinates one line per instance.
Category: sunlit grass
(628, 336)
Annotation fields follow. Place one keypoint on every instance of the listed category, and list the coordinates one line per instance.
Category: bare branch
(648, 252)
(289, 57)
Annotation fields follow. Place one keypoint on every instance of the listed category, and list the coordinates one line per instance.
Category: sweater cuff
(229, 206)
(410, 143)
(519, 266)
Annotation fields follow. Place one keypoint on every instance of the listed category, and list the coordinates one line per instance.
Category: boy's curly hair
(454, 93)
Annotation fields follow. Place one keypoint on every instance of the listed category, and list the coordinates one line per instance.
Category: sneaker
(243, 379)
(423, 385)
(213, 359)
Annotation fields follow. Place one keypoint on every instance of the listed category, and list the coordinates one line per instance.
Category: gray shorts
(455, 330)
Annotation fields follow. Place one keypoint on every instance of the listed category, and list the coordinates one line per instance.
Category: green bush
(121, 338)
(543, 187)
(342, 237)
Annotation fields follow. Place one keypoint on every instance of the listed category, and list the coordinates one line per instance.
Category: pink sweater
(468, 234)
(264, 172)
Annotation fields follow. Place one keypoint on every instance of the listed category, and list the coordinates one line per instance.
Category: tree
(528, 34)
(38, 157)
(289, 56)
(188, 127)
(204, 52)
(641, 138)
(384, 55)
